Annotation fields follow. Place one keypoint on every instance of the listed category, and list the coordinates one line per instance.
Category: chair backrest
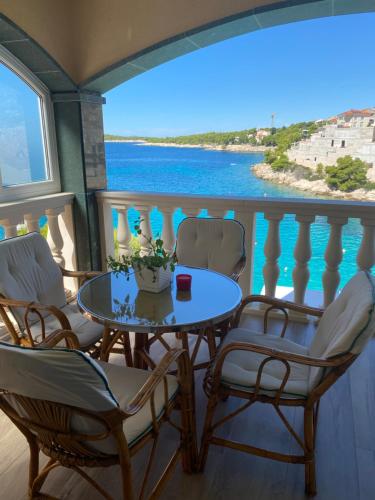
(63, 376)
(216, 244)
(29, 272)
(348, 323)
(63, 391)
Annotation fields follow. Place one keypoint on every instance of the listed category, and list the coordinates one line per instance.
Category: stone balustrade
(57, 209)
(245, 210)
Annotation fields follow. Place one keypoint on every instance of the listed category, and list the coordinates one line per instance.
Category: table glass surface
(116, 301)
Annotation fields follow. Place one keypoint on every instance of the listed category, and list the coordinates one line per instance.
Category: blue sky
(300, 71)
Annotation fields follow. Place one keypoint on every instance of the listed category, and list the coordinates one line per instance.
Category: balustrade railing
(245, 210)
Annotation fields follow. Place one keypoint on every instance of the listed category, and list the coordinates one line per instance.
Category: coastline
(239, 148)
(318, 187)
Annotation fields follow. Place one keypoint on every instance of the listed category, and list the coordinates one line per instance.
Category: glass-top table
(115, 301)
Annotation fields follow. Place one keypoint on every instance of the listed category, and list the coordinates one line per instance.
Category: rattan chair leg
(310, 480)
(34, 461)
(207, 432)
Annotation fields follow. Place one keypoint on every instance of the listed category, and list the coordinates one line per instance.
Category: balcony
(69, 63)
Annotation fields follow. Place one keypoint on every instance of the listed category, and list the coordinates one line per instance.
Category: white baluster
(333, 257)
(248, 220)
(272, 250)
(32, 222)
(302, 255)
(366, 252)
(10, 226)
(55, 239)
(144, 213)
(123, 232)
(168, 236)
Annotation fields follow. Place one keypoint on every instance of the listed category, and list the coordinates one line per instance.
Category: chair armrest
(157, 376)
(57, 336)
(277, 304)
(280, 355)
(238, 269)
(34, 307)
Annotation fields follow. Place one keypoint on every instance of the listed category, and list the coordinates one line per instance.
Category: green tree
(348, 175)
(281, 164)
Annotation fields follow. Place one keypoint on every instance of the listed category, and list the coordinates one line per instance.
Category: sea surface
(136, 167)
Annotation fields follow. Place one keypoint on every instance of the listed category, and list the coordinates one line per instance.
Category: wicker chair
(33, 302)
(274, 370)
(216, 244)
(92, 413)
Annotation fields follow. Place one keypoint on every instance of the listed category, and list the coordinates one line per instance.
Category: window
(342, 144)
(28, 159)
(332, 143)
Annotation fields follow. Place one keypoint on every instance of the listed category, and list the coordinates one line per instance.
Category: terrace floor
(345, 449)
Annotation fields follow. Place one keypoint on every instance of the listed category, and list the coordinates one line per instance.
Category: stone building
(350, 133)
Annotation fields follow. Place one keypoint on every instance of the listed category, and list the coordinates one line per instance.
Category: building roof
(357, 112)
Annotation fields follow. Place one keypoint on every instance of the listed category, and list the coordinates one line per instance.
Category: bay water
(137, 167)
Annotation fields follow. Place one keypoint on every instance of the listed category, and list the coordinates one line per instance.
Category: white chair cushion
(347, 324)
(28, 272)
(240, 368)
(125, 383)
(216, 244)
(59, 375)
(72, 378)
(87, 331)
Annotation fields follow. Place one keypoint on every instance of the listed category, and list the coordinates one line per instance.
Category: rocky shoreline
(238, 148)
(318, 187)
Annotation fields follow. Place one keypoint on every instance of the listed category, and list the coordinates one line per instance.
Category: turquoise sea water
(133, 167)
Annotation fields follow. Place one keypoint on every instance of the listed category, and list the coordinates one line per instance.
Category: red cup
(183, 282)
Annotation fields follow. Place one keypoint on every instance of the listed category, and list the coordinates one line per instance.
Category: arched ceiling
(99, 44)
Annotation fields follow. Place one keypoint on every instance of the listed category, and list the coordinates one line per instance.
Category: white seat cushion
(240, 368)
(216, 244)
(125, 383)
(87, 331)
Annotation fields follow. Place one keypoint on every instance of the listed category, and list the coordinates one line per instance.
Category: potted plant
(153, 270)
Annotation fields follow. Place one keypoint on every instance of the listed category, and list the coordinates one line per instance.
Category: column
(168, 235)
(79, 134)
(366, 252)
(302, 255)
(272, 250)
(123, 232)
(54, 237)
(333, 257)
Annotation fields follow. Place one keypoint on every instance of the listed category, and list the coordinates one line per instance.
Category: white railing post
(10, 226)
(32, 221)
(248, 221)
(333, 257)
(272, 250)
(123, 231)
(302, 255)
(168, 236)
(144, 213)
(366, 252)
(54, 238)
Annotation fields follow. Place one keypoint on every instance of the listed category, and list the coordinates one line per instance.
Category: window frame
(51, 185)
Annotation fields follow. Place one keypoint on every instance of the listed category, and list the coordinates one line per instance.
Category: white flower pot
(151, 281)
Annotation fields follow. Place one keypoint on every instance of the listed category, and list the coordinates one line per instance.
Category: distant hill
(279, 137)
